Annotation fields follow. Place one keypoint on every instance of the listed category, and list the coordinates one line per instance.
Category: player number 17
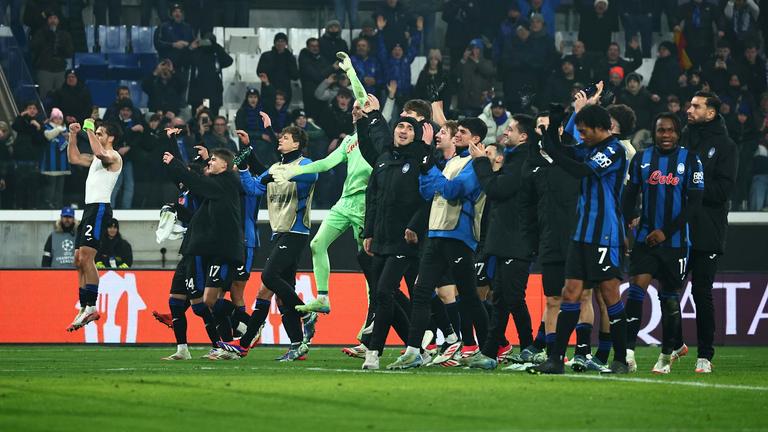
(683, 263)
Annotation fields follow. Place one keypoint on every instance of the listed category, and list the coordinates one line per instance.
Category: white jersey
(100, 182)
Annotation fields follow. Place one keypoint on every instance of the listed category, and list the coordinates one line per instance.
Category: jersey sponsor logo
(681, 168)
(711, 153)
(602, 160)
(406, 167)
(657, 178)
(352, 147)
(698, 177)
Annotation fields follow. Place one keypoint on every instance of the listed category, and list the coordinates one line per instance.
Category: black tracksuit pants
(388, 271)
(509, 286)
(279, 276)
(703, 266)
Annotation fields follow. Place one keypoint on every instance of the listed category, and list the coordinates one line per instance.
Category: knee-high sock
(201, 310)
(178, 313)
(258, 317)
(618, 318)
(320, 263)
(540, 341)
(222, 310)
(566, 322)
(440, 316)
(634, 310)
(89, 295)
(292, 324)
(671, 321)
(239, 315)
(603, 347)
(583, 335)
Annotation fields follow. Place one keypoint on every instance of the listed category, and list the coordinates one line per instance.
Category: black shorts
(93, 226)
(553, 278)
(219, 273)
(485, 269)
(666, 265)
(593, 263)
(447, 279)
(189, 277)
(243, 273)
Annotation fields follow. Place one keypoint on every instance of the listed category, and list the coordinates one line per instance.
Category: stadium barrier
(38, 305)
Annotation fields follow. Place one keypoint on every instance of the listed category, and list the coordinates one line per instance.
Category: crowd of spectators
(498, 58)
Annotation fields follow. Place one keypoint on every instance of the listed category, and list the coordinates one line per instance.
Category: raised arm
(200, 185)
(99, 152)
(361, 96)
(73, 153)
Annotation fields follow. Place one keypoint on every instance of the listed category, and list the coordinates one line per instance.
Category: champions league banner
(38, 305)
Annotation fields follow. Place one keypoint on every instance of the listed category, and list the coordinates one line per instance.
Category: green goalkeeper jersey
(358, 170)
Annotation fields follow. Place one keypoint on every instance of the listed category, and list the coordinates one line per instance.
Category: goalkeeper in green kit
(349, 211)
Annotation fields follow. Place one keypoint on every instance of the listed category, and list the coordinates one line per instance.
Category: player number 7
(603, 251)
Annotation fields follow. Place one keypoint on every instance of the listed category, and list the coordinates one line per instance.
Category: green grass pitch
(84, 388)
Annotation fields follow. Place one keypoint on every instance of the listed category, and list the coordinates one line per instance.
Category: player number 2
(683, 263)
(88, 230)
(603, 252)
(214, 271)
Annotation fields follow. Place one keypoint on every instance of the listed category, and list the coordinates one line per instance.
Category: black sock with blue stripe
(178, 313)
(550, 339)
(222, 310)
(239, 315)
(634, 308)
(292, 324)
(201, 310)
(89, 294)
(583, 336)
(540, 342)
(618, 319)
(566, 323)
(604, 346)
(258, 317)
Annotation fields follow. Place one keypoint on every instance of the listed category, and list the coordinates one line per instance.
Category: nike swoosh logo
(606, 268)
(282, 247)
(712, 256)
(536, 169)
(581, 346)
(645, 165)
(381, 165)
(612, 322)
(174, 320)
(506, 262)
(401, 257)
(632, 319)
(458, 260)
(374, 121)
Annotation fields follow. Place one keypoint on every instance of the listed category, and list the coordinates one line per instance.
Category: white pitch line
(676, 383)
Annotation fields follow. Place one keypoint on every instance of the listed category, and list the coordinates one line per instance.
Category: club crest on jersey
(681, 168)
(711, 153)
(406, 167)
(657, 178)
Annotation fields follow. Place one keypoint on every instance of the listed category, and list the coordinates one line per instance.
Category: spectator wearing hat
(54, 164)
(433, 82)
(637, 19)
(546, 8)
(331, 41)
(7, 139)
(394, 22)
(278, 66)
(615, 84)
(114, 252)
(496, 118)
(596, 26)
(59, 249)
(250, 119)
(613, 58)
(507, 33)
(560, 85)
(476, 76)
(313, 69)
(644, 104)
(699, 24)
(397, 60)
(665, 71)
(73, 98)
(50, 48)
(27, 151)
(207, 58)
(122, 93)
(173, 37)
(367, 66)
(36, 13)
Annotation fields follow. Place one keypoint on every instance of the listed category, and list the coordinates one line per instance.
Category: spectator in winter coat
(643, 103)
(331, 41)
(464, 19)
(718, 70)
(560, 85)
(114, 252)
(173, 38)
(207, 59)
(279, 65)
(27, 151)
(73, 98)
(546, 8)
(219, 136)
(397, 61)
(476, 75)
(637, 19)
(665, 71)
(251, 119)
(165, 88)
(337, 121)
(699, 24)
(7, 140)
(367, 67)
(54, 165)
(752, 70)
(132, 128)
(276, 106)
(113, 110)
(507, 32)
(740, 23)
(613, 58)
(397, 22)
(596, 26)
(433, 81)
(496, 118)
(50, 48)
(313, 69)
(581, 62)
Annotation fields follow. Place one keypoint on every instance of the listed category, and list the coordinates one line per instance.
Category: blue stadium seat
(91, 66)
(143, 40)
(139, 98)
(102, 91)
(90, 37)
(113, 39)
(147, 63)
(124, 66)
